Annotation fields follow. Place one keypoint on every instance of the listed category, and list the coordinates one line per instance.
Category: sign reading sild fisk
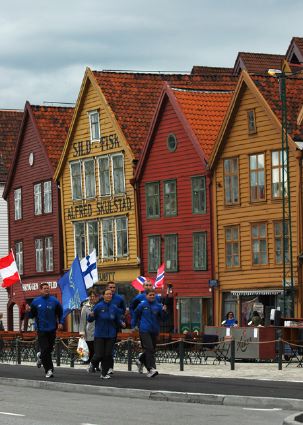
(84, 147)
(108, 206)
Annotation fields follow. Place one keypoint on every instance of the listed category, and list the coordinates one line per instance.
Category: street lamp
(286, 204)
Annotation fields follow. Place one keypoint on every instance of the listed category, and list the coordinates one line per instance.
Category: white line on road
(269, 410)
(11, 414)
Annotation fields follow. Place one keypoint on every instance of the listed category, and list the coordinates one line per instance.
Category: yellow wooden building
(97, 199)
(247, 170)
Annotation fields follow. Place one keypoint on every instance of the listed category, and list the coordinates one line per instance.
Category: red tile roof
(204, 111)
(269, 88)
(133, 97)
(257, 63)
(10, 122)
(53, 123)
(202, 70)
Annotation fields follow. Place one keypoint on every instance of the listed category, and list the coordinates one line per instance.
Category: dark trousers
(113, 354)
(103, 353)
(46, 341)
(90, 345)
(148, 342)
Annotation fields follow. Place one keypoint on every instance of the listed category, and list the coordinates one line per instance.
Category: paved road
(163, 382)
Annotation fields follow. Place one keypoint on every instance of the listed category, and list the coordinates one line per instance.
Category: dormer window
(94, 126)
(252, 129)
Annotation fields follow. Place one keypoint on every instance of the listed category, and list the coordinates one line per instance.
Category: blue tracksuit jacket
(149, 315)
(107, 317)
(46, 310)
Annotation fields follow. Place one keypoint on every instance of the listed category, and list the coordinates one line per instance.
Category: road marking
(11, 414)
(88, 424)
(269, 410)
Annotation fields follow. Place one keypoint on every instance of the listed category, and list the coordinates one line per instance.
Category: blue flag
(72, 288)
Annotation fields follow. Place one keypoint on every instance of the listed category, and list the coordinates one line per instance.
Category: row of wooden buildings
(185, 169)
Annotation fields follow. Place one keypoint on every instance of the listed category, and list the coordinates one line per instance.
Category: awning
(258, 292)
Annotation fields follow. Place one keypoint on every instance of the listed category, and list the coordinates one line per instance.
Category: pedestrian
(1, 322)
(148, 315)
(118, 301)
(147, 285)
(256, 319)
(107, 317)
(48, 314)
(86, 328)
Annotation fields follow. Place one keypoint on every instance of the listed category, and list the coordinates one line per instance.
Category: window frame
(47, 194)
(231, 185)
(39, 254)
(251, 121)
(258, 171)
(280, 237)
(168, 255)
(106, 172)
(112, 233)
(232, 242)
(18, 203)
(94, 125)
(82, 236)
(92, 176)
(259, 239)
(71, 164)
(91, 236)
(281, 169)
(170, 197)
(202, 250)
(49, 253)
(195, 195)
(156, 200)
(124, 235)
(19, 256)
(157, 261)
(122, 173)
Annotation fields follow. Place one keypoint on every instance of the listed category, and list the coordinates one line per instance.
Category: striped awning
(257, 292)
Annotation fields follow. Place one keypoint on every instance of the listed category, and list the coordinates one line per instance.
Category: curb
(295, 419)
(173, 396)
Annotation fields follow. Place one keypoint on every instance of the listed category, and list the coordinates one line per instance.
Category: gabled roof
(266, 90)
(133, 97)
(294, 52)
(201, 113)
(51, 124)
(257, 63)
(204, 111)
(10, 122)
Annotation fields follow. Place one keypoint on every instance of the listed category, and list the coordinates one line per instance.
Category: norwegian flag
(9, 271)
(159, 283)
(138, 283)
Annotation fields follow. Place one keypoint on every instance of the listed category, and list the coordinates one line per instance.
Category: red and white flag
(139, 282)
(159, 283)
(8, 270)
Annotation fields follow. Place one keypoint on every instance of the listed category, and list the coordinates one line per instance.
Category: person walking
(48, 314)
(1, 322)
(148, 315)
(119, 302)
(86, 328)
(107, 317)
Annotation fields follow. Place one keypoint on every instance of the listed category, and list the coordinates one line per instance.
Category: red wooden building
(33, 202)
(173, 188)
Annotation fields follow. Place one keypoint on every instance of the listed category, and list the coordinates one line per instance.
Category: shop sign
(108, 206)
(107, 143)
(34, 286)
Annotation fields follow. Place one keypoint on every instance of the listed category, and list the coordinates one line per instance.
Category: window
(75, 169)
(39, 254)
(108, 238)
(18, 203)
(259, 243)
(277, 176)
(94, 126)
(118, 173)
(46, 196)
(200, 251)
(49, 256)
(232, 251)
(251, 118)
(38, 199)
(152, 199)
(278, 229)
(170, 198)
(122, 237)
(92, 237)
(198, 189)
(19, 256)
(154, 253)
(104, 181)
(171, 142)
(171, 253)
(257, 175)
(89, 178)
(231, 181)
(79, 232)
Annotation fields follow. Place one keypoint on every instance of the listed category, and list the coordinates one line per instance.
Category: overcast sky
(45, 45)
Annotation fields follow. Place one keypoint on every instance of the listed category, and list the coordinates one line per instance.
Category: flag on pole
(72, 288)
(159, 283)
(139, 282)
(89, 269)
(9, 270)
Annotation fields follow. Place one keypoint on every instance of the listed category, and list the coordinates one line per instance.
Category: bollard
(280, 353)
(129, 354)
(181, 354)
(232, 354)
(58, 351)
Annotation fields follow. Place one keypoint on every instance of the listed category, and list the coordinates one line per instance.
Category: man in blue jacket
(148, 315)
(48, 314)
